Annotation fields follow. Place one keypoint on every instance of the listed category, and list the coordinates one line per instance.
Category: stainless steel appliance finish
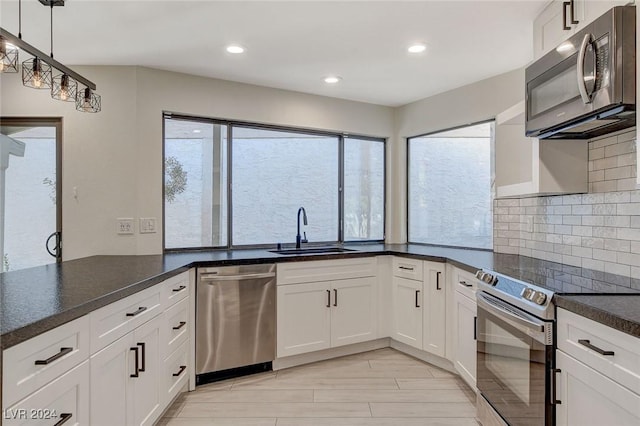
(586, 87)
(515, 351)
(235, 317)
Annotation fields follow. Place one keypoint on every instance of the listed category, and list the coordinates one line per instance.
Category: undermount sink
(312, 250)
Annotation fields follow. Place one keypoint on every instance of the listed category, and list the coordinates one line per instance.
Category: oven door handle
(521, 321)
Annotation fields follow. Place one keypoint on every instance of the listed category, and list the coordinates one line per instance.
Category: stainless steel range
(515, 352)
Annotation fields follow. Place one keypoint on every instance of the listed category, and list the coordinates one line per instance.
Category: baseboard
(443, 363)
(323, 355)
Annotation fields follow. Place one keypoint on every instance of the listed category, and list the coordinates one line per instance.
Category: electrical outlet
(147, 225)
(124, 225)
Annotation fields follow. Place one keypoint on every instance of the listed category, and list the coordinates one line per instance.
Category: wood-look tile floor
(377, 388)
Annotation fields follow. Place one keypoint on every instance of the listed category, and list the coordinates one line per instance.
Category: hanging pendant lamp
(36, 73)
(8, 56)
(87, 101)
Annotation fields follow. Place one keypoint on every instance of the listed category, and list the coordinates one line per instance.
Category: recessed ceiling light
(234, 48)
(332, 79)
(417, 48)
(197, 131)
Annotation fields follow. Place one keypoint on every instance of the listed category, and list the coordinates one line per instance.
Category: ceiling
(293, 45)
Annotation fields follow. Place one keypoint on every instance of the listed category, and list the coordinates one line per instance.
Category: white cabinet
(588, 398)
(434, 312)
(66, 399)
(599, 373)
(125, 378)
(465, 321)
(407, 311)
(325, 304)
(554, 24)
(303, 318)
(530, 167)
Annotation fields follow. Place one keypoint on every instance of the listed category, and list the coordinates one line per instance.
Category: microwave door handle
(582, 87)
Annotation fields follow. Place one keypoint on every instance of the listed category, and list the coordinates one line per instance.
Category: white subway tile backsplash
(599, 231)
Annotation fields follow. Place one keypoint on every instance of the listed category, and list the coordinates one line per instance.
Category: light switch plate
(124, 225)
(147, 225)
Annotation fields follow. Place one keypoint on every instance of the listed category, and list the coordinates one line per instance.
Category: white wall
(114, 158)
(469, 104)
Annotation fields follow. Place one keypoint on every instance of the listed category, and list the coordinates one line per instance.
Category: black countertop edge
(618, 311)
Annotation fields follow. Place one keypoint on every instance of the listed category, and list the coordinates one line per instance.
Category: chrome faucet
(299, 239)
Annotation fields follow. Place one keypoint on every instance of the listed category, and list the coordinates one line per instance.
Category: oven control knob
(539, 298)
(528, 293)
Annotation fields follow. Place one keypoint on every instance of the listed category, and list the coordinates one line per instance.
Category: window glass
(195, 184)
(449, 187)
(274, 174)
(363, 189)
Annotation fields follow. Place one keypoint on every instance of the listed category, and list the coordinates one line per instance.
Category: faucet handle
(304, 238)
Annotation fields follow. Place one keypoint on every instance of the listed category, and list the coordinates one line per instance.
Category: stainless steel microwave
(586, 87)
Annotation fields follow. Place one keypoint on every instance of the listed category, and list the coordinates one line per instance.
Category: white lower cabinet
(434, 314)
(320, 315)
(64, 400)
(175, 373)
(126, 378)
(465, 340)
(589, 398)
(407, 311)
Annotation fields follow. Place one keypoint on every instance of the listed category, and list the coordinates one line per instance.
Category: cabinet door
(353, 311)
(303, 318)
(145, 388)
(589, 398)
(548, 31)
(110, 376)
(465, 358)
(407, 311)
(434, 314)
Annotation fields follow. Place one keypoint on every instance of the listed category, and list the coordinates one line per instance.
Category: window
(230, 184)
(449, 187)
(31, 209)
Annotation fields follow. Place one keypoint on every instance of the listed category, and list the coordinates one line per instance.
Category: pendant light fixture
(39, 71)
(8, 56)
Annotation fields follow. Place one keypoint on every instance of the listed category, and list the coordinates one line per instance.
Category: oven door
(515, 358)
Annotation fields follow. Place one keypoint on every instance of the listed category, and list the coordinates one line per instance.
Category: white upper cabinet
(562, 18)
(529, 166)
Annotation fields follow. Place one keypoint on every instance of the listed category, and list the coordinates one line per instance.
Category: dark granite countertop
(621, 312)
(39, 299)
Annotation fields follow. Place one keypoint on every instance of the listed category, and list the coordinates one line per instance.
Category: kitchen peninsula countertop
(35, 300)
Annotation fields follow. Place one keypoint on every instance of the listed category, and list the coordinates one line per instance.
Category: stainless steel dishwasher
(235, 321)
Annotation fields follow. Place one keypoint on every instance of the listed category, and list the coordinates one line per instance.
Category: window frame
(407, 181)
(263, 126)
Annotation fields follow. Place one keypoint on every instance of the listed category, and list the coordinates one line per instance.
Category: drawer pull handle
(464, 283)
(182, 287)
(417, 295)
(438, 281)
(181, 324)
(144, 356)
(140, 310)
(137, 364)
(406, 268)
(588, 344)
(182, 368)
(63, 352)
(64, 417)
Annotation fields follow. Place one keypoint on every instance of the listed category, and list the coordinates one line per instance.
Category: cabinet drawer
(407, 268)
(465, 282)
(176, 373)
(65, 397)
(117, 319)
(30, 365)
(326, 270)
(582, 338)
(175, 289)
(176, 326)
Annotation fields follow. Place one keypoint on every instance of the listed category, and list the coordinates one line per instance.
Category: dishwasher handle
(240, 277)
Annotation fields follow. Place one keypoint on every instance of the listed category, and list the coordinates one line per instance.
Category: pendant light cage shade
(64, 88)
(36, 73)
(87, 101)
(8, 57)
